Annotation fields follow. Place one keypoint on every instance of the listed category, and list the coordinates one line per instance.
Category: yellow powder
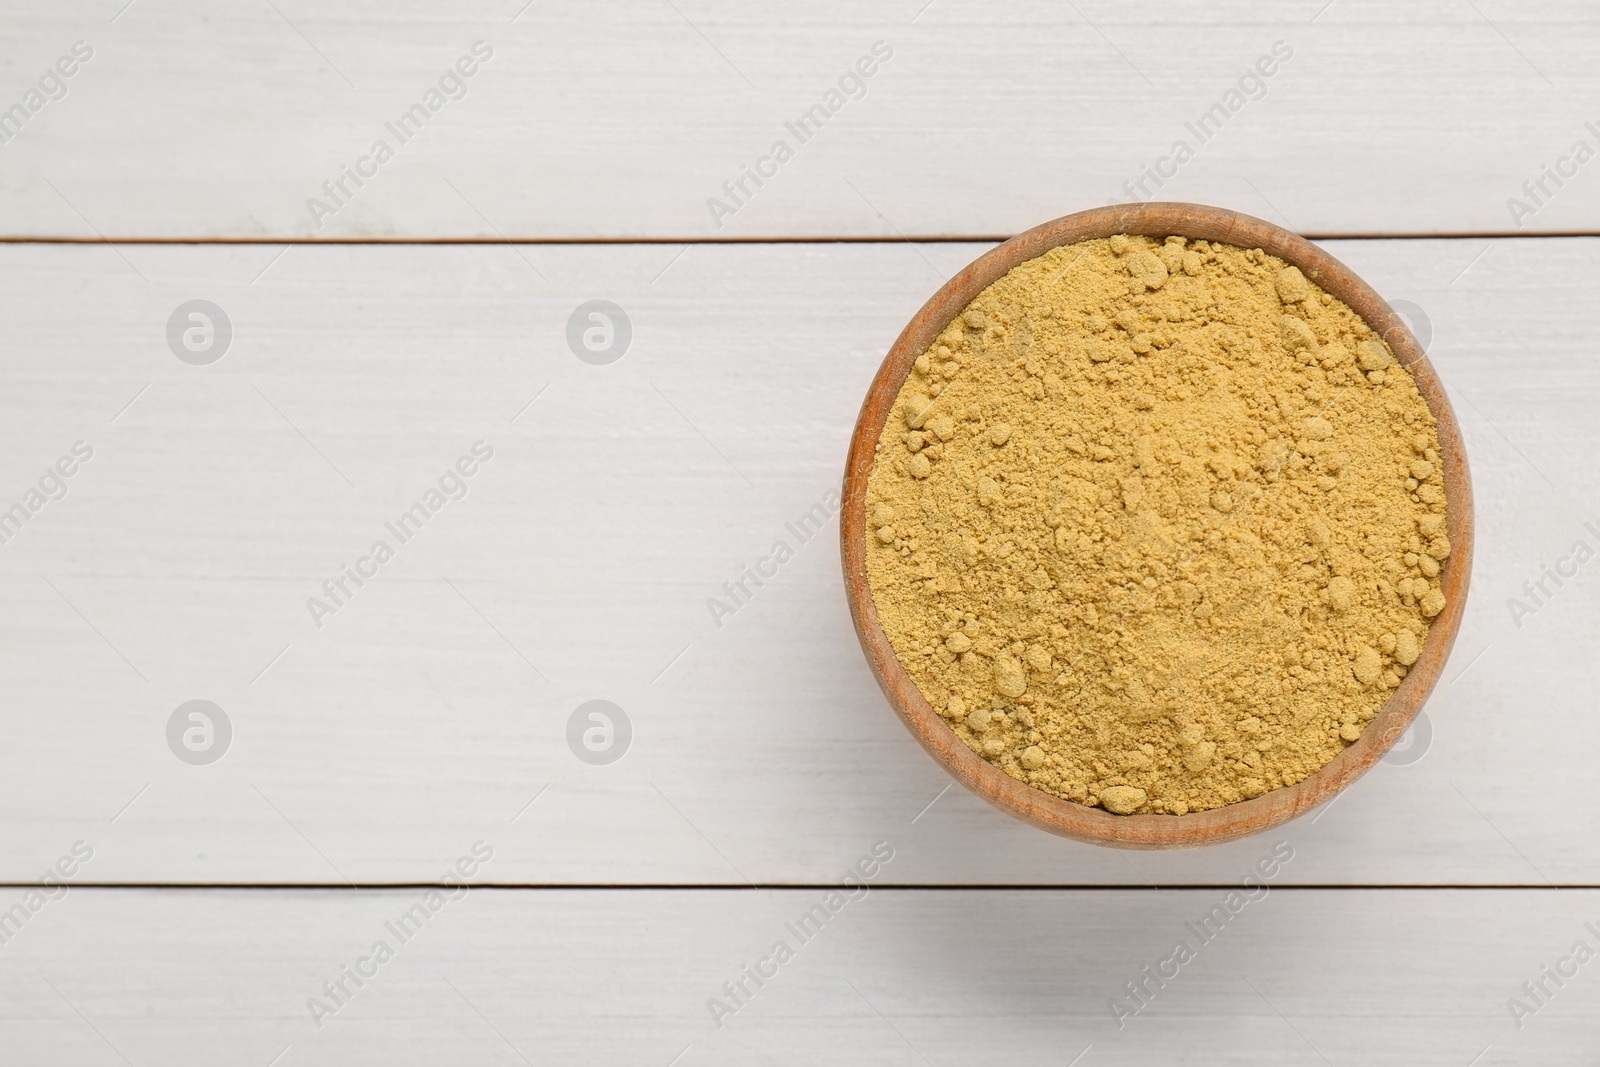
(1157, 526)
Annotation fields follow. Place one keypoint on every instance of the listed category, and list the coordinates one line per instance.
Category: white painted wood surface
(430, 712)
(432, 708)
(1389, 977)
(607, 120)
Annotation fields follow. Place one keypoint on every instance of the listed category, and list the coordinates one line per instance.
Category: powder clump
(1157, 525)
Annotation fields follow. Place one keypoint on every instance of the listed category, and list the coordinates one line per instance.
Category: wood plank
(433, 706)
(626, 119)
(603, 977)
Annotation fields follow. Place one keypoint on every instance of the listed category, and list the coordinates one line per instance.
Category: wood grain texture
(605, 120)
(617, 505)
(1079, 821)
(1413, 978)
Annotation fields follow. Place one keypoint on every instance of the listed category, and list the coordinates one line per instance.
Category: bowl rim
(1080, 821)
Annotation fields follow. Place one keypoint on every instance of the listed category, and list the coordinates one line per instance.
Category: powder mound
(1157, 525)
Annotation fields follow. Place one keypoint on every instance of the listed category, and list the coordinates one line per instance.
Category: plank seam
(1462, 235)
(811, 886)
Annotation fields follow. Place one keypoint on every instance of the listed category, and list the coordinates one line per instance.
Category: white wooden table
(216, 910)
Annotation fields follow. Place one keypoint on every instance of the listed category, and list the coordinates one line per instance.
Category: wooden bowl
(1080, 821)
